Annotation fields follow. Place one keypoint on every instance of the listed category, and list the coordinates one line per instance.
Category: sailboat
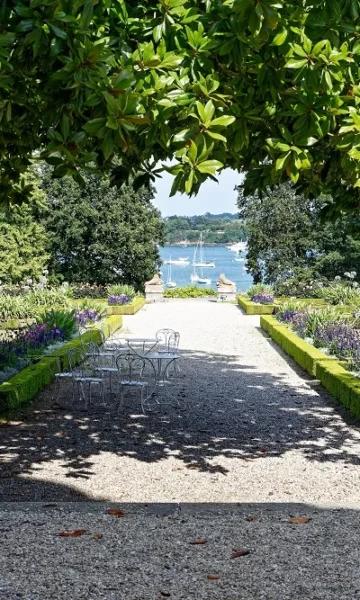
(195, 276)
(201, 262)
(170, 283)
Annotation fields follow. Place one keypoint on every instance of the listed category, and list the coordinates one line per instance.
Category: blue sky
(212, 197)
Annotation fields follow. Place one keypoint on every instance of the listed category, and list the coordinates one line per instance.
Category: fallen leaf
(193, 466)
(165, 594)
(250, 519)
(238, 552)
(97, 536)
(213, 577)
(115, 512)
(72, 533)
(299, 520)
(198, 542)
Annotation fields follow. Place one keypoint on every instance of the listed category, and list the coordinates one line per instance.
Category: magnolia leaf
(223, 121)
(295, 63)
(280, 38)
(209, 166)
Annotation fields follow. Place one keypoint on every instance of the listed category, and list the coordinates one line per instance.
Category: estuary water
(223, 258)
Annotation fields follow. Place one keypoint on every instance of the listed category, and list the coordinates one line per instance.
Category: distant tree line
(216, 229)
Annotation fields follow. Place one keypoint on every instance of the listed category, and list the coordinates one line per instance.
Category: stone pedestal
(154, 289)
(226, 289)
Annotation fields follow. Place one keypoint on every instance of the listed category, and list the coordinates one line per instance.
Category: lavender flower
(87, 314)
(341, 339)
(263, 298)
(121, 299)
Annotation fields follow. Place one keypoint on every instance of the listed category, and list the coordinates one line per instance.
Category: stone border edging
(341, 384)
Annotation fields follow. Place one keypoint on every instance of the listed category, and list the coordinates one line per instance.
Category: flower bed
(253, 308)
(335, 378)
(328, 329)
(25, 385)
(127, 309)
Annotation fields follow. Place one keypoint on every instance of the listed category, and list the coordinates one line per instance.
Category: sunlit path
(250, 428)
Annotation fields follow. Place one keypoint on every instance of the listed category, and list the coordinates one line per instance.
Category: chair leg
(122, 398)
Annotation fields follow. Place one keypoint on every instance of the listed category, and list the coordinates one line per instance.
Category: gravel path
(253, 438)
(150, 554)
(251, 429)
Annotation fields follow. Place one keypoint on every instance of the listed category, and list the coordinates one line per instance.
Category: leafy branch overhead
(269, 87)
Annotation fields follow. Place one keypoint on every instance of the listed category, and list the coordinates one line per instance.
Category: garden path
(256, 443)
(252, 428)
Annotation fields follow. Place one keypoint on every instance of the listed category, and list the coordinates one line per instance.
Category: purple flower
(263, 298)
(121, 299)
(87, 314)
(341, 339)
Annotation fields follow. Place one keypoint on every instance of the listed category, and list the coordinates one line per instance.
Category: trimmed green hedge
(252, 308)
(330, 372)
(25, 385)
(127, 309)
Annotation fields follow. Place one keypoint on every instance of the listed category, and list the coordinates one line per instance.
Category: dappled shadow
(227, 409)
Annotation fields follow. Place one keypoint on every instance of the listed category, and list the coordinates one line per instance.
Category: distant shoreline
(192, 244)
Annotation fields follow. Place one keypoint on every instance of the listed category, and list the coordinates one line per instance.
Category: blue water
(224, 261)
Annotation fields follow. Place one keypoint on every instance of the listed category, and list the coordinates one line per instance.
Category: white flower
(338, 278)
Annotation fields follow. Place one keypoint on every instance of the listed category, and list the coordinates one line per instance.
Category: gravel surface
(251, 428)
(155, 553)
(253, 439)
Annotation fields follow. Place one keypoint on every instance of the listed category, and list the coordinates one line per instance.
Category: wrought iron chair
(168, 342)
(136, 373)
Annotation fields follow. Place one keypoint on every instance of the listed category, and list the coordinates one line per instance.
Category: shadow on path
(227, 409)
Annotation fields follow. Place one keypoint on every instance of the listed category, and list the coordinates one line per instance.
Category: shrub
(120, 289)
(190, 291)
(258, 289)
(304, 283)
(60, 319)
(87, 290)
(340, 293)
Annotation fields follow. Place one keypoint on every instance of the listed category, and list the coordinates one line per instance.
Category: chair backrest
(75, 357)
(136, 369)
(168, 340)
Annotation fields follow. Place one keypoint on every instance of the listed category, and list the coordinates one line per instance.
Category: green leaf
(189, 182)
(280, 38)
(295, 63)
(60, 33)
(280, 162)
(192, 151)
(216, 136)
(209, 166)
(223, 121)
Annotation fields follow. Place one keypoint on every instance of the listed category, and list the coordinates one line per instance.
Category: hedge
(253, 308)
(127, 309)
(341, 384)
(20, 389)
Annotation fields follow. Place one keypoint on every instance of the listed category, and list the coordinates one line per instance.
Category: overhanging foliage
(267, 86)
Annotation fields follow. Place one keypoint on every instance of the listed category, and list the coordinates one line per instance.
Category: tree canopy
(265, 86)
(287, 237)
(23, 240)
(98, 234)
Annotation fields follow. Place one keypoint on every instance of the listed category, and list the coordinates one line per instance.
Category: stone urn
(226, 289)
(154, 289)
